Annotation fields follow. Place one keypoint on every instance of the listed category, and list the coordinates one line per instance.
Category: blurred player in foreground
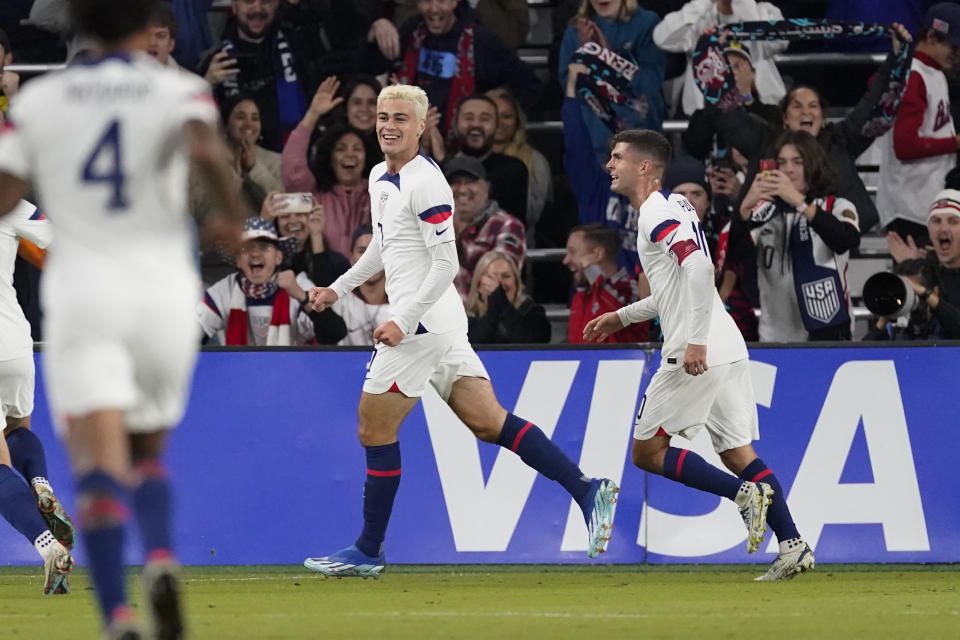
(704, 376)
(106, 144)
(50, 530)
(425, 341)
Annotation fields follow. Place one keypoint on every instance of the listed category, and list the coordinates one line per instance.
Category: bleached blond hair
(414, 95)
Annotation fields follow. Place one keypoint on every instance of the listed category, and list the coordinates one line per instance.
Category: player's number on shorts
(105, 165)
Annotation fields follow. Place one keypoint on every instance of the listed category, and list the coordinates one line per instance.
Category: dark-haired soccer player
(106, 144)
(425, 341)
(704, 376)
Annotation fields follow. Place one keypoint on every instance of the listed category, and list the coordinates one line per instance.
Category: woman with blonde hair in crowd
(498, 309)
(510, 138)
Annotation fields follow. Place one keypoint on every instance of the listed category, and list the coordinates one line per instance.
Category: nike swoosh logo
(670, 239)
(440, 233)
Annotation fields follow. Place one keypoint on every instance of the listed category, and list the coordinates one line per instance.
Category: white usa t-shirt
(668, 232)
(25, 221)
(412, 211)
(102, 145)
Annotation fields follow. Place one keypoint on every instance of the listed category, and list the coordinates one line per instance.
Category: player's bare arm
(12, 190)
(602, 327)
(208, 154)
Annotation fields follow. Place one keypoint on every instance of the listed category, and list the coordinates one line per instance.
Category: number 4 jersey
(101, 144)
(669, 233)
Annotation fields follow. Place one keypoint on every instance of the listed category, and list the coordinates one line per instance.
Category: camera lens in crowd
(889, 295)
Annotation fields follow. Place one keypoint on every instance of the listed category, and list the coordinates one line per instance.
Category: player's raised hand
(602, 327)
(695, 359)
(388, 333)
(321, 298)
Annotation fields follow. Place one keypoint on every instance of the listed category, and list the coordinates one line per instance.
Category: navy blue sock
(687, 467)
(103, 516)
(778, 514)
(538, 451)
(18, 506)
(152, 507)
(26, 453)
(383, 480)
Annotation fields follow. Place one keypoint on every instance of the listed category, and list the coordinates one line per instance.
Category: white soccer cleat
(602, 502)
(55, 569)
(790, 563)
(754, 512)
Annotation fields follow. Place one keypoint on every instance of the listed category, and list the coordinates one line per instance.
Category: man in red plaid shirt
(601, 285)
(478, 222)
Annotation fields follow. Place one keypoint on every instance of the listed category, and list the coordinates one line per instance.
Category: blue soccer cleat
(598, 509)
(348, 563)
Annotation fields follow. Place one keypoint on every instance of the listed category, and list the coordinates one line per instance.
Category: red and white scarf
(278, 335)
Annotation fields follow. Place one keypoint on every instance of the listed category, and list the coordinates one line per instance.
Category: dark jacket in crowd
(508, 183)
(505, 324)
(494, 65)
(702, 128)
(321, 268)
(257, 77)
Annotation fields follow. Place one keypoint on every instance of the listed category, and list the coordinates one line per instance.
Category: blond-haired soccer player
(425, 341)
(703, 377)
(107, 145)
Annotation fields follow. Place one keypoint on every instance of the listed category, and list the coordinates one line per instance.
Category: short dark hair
(477, 96)
(816, 165)
(163, 17)
(647, 142)
(365, 229)
(110, 21)
(600, 235)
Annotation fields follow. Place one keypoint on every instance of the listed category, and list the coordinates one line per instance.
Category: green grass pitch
(527, 602)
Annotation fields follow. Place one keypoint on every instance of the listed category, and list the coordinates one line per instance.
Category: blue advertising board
(267, 469)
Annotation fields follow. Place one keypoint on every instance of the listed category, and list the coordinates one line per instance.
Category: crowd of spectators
(774, 178)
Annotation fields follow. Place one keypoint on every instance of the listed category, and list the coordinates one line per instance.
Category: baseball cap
(947, 202)
(685, 169)
(256, 228)
(740, 49)
(464, 164)
(944, 18)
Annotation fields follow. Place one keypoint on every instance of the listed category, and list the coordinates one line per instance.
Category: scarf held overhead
(607, 83)
(237, 321)
(715, 79)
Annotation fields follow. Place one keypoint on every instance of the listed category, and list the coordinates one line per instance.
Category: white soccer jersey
(669, 232)
(412, 211)
(101, 144)
(361, 319)
(25, 221)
